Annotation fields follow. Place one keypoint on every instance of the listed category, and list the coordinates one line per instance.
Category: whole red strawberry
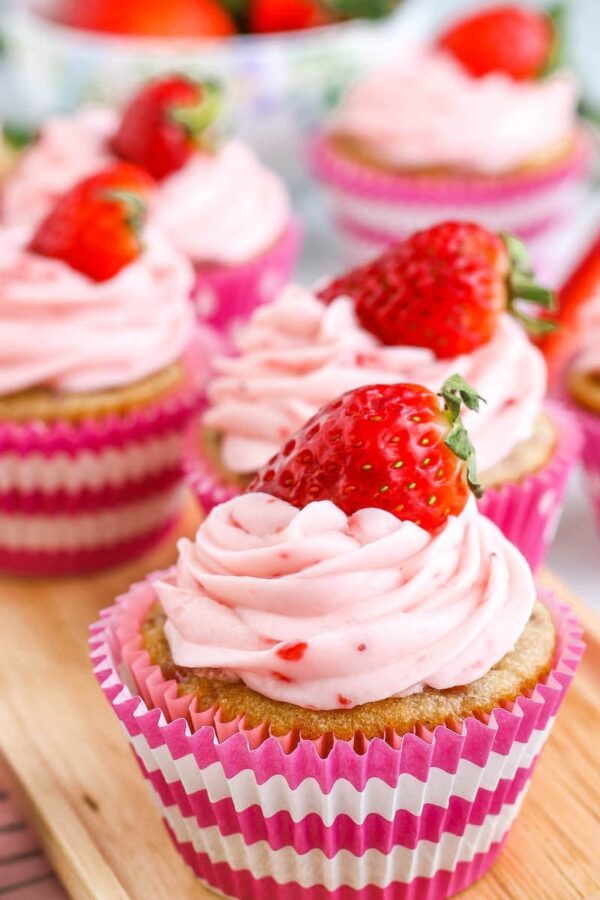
(443, 288)
(267, 16)
(95, 227)
(147, 18)
(512, 39)
(394, 447)
(164, 123)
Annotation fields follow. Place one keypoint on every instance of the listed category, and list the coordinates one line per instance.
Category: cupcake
(95, 386)
(397, 319)
(343, 687)
(468, 127)
(217, 204)
(583, 389)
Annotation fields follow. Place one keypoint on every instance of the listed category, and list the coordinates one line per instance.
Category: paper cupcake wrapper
(262, 817)
(80, 496)
(372, 209)
(528, 511)
(590, 454)
(226, 295)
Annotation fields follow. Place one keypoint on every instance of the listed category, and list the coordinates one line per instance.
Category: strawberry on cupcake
(476, 125)
(214, 200)
(343, 648)
(452, 298)
(95, 386)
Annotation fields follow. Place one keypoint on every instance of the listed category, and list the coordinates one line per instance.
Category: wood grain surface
(94, 814)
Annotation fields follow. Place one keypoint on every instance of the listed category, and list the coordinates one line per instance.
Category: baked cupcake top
(216, 203)
(127, 317)
(297, 353)
(425, 111)
(335, 603)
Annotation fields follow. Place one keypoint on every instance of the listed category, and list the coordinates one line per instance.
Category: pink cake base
(226, 295)
(372, 209)
(78, 497)
(528, 512)
(257, 816)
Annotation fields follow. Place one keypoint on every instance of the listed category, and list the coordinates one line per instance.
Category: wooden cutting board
(94, 814)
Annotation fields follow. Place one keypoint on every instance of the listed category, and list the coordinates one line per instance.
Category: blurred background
(281, 86)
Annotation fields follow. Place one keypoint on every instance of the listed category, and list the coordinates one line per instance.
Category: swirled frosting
(327, 611)
(68, 149)
(224, 207)
(425, 110)
(297, 354)
(60, 329)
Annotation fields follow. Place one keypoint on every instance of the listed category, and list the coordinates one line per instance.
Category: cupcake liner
(226, 295)
(204, 479)
(256, 816)
(372, 209)
(528, 511)
(590, 454)
(80, 496)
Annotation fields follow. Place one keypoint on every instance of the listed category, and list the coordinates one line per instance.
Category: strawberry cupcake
(343, 687)
(95, 386)
(398, 319)
(471, 127)
(215, 202)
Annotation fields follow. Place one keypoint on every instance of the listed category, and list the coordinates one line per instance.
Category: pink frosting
(366, 606)
(297, 354)
(426, 110)
(68, 149)
(224, 208)
(588, 359)
(60, 329)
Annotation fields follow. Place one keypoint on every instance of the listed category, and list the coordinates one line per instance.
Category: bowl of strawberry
(284, 64)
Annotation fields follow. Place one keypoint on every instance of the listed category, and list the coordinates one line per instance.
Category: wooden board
(93, 811)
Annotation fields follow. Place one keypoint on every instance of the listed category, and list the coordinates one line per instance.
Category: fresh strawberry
(391, 446)
(443, 288)
(512, 39)
(267, 16)
(164, 123)
(95, 227)
(147, 18)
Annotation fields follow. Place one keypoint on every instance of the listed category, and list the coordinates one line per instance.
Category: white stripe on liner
(307, 870)
(113, 466)
(48, 533)
(274, 795)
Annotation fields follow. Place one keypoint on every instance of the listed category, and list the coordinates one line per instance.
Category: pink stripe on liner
(528, 511)
(590, 427)
(374, 832)
(226, 295)
(341, 172)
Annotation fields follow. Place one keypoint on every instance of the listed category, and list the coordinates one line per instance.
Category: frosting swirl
(426, 111)
(68, 149)
(326, 611)
(297, 354)
(224, 207)
(62, 330)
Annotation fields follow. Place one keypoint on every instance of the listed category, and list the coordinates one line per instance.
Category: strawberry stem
(523, 287)
(361, 9)
(200, 116)
(557, 56)
(456, 391)
(134, 206)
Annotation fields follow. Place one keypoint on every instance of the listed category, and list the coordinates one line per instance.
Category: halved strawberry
(394, 447)
(266, 16)
(95, 227)
(513, 39)
(444, 288)
(165, 123)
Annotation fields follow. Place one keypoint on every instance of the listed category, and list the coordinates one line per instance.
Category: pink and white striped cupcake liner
(257, 816)
(373, 209)
(590, 455)
(223, 295)
(78, 497)
(528, 511)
